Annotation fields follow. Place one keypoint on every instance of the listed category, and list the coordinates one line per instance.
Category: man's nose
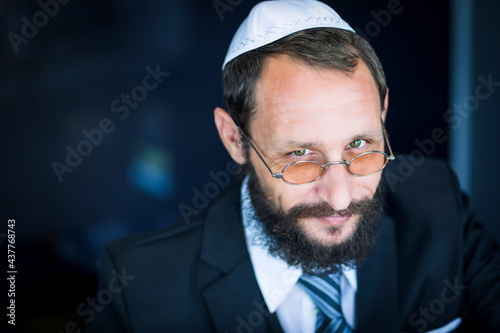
(335, 186)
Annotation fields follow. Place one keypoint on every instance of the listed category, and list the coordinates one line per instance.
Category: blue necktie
(325, 293)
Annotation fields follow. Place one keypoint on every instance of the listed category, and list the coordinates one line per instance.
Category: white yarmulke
(269, 21)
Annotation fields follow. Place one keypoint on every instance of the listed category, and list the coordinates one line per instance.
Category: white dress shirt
(278, 281)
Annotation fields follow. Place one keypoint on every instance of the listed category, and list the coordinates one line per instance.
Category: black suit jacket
(432, 264)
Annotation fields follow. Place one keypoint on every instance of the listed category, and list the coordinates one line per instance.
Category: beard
(287, 239)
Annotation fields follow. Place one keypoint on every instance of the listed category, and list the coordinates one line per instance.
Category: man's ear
(386, 105)
(229, 134)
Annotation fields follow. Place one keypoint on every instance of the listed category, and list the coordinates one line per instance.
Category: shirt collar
(274, 277)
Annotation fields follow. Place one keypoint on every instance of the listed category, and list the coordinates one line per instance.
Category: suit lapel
(234, 300)
(377, 295)
(224, 243)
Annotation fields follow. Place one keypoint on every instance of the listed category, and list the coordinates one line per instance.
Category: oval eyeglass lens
(367, 164)
(302, 172)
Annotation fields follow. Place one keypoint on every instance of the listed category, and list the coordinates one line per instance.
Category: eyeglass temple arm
(387, 140)
(275, 175)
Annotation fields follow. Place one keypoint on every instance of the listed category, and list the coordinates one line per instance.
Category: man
(312, 239)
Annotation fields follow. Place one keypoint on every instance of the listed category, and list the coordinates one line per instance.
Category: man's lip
(334, 220)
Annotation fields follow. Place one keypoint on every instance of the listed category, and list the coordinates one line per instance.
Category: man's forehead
(289, 92)
(282, 75)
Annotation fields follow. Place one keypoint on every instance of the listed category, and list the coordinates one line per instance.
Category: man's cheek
(366, 187)
(288, 202)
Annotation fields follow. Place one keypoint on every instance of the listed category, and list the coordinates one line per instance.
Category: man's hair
(319, 47)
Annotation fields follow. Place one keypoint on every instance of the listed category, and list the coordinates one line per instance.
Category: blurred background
(94, 149)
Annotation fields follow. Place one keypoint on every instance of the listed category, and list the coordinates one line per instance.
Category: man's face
(321, 115)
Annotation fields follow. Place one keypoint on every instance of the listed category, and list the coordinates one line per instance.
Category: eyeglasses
(304, 172)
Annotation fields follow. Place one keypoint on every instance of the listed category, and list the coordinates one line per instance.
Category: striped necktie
(325, 293)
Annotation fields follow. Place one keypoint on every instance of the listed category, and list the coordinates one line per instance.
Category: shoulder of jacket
(416, 174)
(424, 195)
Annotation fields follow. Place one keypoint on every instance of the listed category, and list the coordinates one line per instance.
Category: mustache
(323, 209)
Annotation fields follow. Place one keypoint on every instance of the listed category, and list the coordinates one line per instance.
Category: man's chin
(328, 231)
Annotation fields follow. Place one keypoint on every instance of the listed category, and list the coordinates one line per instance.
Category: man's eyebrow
(376, 134)
(294, 144)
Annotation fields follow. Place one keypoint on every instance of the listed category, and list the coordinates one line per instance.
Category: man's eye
(301, 152)
(357, 144)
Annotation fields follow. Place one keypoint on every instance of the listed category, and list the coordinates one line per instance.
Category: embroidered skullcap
(269, 21)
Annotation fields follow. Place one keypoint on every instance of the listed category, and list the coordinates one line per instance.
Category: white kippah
(269, 21)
